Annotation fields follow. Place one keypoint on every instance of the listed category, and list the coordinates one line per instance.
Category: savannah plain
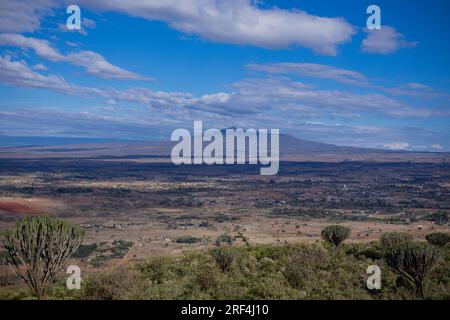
(135, 207)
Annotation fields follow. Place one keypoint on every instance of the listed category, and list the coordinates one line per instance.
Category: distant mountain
(291, 149)
(292, 145)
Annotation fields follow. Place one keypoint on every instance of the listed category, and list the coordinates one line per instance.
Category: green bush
(392, 240)
(440, 218)
(224, 238)
(439, 239)
(188, 239)
(224, 257)
(207, 277)
(414, 261)
(84, 251)
(121, 283)
(120, 248)
(304, 267)
(371, 253)
(335, 234)
(291, 271)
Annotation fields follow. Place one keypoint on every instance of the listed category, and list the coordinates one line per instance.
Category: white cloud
(437, 146)
(72, 44)
(293, 106)
(23, 15)
(385, 41)
(92, 62)
(417, 90)
(239, 22)
(280, 99)
(313, 70)
(41, 46)
(18, 73)
(397, 146)
(88, 23)
(40, 67)
(96, 65)
(225, 21)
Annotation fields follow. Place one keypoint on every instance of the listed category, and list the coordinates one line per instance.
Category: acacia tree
(414, 261)
(38, 247)
(335, 234)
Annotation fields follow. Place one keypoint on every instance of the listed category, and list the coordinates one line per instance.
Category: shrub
(370, 253)
(41, 245)
(439, 239)
(392, 240)
(121, 283)
(224, 257)
(84, 251)
(206, 277)
(335, 234)
(188, 239)
(224, 218)
(413, 261)
(304, 267)
(225, 238)
(440, 218)
(120, 248)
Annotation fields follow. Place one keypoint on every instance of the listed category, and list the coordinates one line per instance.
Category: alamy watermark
(74, 280)
(73, 22)
(250, 146)
(374, 20)
(374, 280)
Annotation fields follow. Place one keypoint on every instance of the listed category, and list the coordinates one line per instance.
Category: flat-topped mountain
(291, 149)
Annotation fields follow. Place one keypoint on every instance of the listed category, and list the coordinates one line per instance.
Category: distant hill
(291, 149)
(292, 145)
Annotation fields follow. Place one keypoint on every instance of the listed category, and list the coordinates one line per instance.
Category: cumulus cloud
(140, 125)
(96, 65)
(246, 97)
(88, 23)
(313, 70)
(40, 67)
(239, 22)
(23, 15)
(40, 46)
(437, 146)
(385, 41)
(19, 73)
(417, 90)
(51, 122)
(92, 62)
(294, 106)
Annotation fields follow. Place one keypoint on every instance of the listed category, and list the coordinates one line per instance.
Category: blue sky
(310, 68)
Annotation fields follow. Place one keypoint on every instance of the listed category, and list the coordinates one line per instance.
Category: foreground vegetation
(306, 271)
(410, 269)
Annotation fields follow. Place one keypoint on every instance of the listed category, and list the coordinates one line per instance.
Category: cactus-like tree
(439, 239)
(335, 234)
(414, 261)
(224, 257)
(38, 247)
